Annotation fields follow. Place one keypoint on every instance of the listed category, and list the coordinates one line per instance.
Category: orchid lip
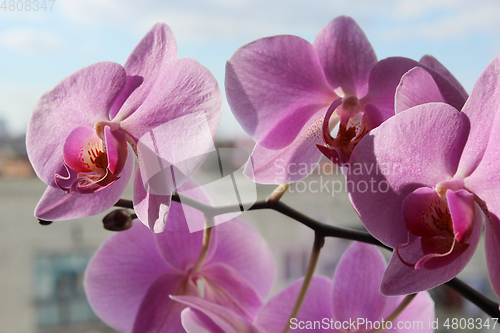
(99, 161)
(442, 221)
(354, 125)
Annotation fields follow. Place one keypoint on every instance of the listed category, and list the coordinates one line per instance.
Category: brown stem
(311, 267)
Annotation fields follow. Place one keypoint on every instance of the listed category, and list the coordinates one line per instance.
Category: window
(59, 296)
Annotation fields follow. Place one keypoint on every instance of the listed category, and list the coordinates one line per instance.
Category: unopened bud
(118, 220)
(44, 222)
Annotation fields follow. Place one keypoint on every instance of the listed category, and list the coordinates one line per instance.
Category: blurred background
(41, 267)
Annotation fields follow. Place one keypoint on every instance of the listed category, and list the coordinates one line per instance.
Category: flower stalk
(319, 241)
(207, 236)
(397, 311)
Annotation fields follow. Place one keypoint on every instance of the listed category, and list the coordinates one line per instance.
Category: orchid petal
(226, 320)
(223, 285)
(425, 214)
(491, 245)
(416, 87)
(355, 292)
(461, 204)
(158, 313)
(346, 55)
(484, 183)
(399, 156)
(56, 204)
(191, 89)
(386, 75)
(289, 164)
(179, 247)
(87, 95)
(274, 86)
(131, 84)
(420, 310)
(372, 117)
(144, 65)
(439, 252)
(399, 279)
(151, 209)
(242, 248)
(116, 149)
(194, 321)
(482, 108)
(171, 152)
(274, 315)
(433, 63)
(117, 277)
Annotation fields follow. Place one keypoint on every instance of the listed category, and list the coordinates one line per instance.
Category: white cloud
(228, 20)
(31, 41)
(455, 23)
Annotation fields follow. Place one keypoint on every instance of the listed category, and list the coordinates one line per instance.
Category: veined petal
(355, 292)
(179, 247)
(386, 75)
(416, 87)
(158, 313)
(119, 275)
(399, 279)
(420, 310)
(274, 86)
(346, 55)
(56, 204)
(416, 148)
(223, 285)
(433, 63)
(482, 108)
(242, 248)
(144, 65)
(289, 164)
(169, 153)
(183, 87)
(273, 316)
(88, 96)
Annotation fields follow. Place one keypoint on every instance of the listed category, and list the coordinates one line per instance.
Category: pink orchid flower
(133, 279)
(79, 133)
(352, 297)
(350, 303)
(434, 172)
(288, 94)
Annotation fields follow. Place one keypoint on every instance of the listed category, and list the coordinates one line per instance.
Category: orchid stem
(319, 240)
(278, 193)
(487, 305)
(207, 236)
(397, 311)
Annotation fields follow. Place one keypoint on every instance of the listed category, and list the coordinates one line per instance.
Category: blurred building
(41, 267)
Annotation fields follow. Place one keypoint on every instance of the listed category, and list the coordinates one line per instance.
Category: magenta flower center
(355, 123)
(443, 219)
(98, 155)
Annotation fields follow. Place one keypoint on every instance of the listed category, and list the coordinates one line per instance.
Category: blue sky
(38, 49)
